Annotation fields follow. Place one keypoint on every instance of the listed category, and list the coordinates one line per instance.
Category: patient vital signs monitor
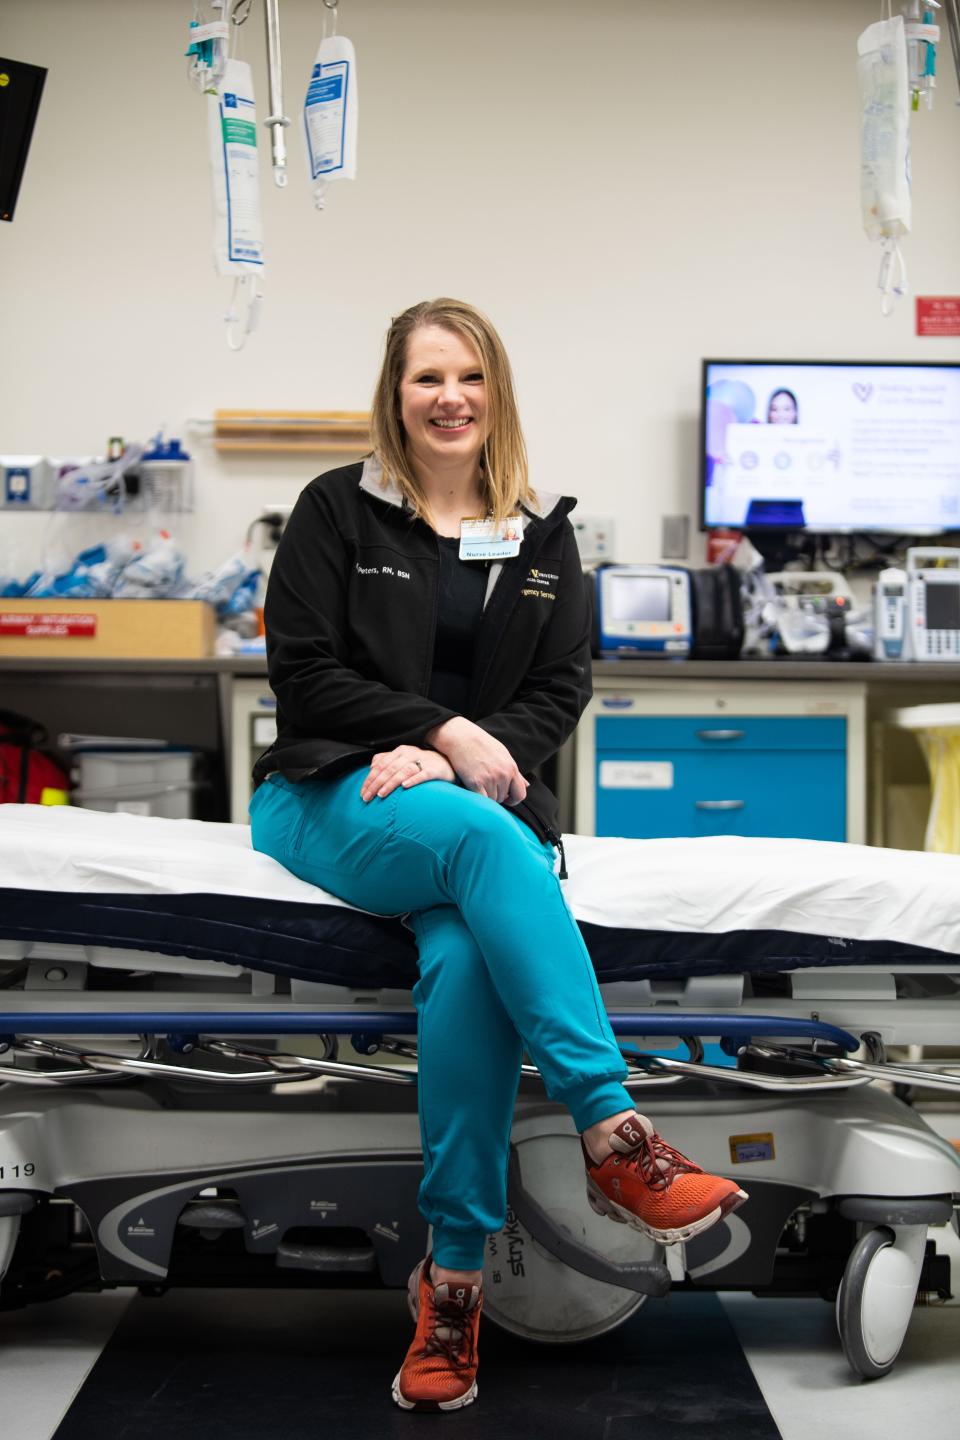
(643, 608)
(830, 446)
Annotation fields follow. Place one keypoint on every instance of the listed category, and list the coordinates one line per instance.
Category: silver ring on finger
(418, 764)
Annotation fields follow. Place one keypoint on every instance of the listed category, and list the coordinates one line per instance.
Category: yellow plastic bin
(937, 728)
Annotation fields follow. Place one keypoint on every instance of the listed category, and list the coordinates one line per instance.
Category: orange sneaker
(440, 1371)
(645, 1183)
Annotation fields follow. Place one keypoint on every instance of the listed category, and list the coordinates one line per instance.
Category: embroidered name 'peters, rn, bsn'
(382, 570)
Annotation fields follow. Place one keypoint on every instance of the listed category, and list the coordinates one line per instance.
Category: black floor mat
(225, 1365)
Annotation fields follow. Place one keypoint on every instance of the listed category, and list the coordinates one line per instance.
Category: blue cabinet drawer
(716, 733)
(661, 792)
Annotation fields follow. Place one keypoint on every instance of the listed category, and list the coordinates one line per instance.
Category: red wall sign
(46, 624)
(938, 314)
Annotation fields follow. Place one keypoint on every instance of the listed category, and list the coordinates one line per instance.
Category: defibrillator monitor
(643, 608)
(836, 447)
(933, 604)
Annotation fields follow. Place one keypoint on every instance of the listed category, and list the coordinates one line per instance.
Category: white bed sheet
(710, 885)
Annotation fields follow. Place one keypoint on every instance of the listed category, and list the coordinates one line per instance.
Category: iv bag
(235, 171)
(330, 116)
(885, 147)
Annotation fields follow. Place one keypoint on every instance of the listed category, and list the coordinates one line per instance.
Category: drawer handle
(720, 734)
(719, 804)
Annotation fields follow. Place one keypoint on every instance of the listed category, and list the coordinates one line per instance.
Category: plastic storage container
(166, 478)
(138, 782)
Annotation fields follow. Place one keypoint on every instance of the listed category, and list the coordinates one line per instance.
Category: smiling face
(443, 400)
(782, 409)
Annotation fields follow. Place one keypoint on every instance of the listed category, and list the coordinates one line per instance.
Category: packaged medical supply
(217, 586)
(330, 116)
(91, 575)
(61, 465)
(99, 485)
(152, 573)
(237, 229)
(885, 148)
(104, 570)
(11, 589)
(80, 581)
(244, 598)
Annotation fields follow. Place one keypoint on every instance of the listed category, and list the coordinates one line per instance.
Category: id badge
(487, 540)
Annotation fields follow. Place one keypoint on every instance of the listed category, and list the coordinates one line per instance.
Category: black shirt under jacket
(461, 592)
(351, 615)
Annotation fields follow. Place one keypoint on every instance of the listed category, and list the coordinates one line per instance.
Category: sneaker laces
(449, 1330)
(659, 1163)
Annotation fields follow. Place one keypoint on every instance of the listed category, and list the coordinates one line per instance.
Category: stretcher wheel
(876, 1299)
(531, 1293)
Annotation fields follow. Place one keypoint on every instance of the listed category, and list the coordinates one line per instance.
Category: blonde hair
(504, 480)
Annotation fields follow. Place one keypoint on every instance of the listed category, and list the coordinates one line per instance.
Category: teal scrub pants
(503, 969)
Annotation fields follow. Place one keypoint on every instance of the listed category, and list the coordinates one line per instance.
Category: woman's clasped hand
(462, 751)
(406, 766)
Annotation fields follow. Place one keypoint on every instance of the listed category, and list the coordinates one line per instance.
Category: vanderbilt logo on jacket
(539, 584)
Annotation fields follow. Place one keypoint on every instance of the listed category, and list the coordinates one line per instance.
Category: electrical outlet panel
(595, 535)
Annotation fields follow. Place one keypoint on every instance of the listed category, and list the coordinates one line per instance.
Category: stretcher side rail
(369, 1026)
(26, 1037)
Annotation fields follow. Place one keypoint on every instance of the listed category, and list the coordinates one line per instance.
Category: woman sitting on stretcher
(428, 643)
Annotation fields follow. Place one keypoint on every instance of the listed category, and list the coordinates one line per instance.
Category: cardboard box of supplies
(107, 629)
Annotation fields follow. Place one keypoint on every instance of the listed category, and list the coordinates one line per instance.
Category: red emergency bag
(25, 770)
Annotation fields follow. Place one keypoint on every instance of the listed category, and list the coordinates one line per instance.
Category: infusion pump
(933, 604)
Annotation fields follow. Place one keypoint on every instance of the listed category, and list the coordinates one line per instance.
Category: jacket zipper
(554, 838)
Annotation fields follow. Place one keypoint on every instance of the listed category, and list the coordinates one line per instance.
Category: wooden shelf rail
(343, 432)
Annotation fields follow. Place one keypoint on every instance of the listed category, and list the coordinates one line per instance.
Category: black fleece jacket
(350, 616)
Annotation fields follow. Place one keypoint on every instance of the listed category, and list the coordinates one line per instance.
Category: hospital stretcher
(208, 1074)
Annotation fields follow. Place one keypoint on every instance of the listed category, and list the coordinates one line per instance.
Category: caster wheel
(876, 1300)
(530, 1293)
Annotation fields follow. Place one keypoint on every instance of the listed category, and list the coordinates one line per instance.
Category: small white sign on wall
(636, 775)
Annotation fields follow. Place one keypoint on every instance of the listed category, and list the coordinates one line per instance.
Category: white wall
(624, 186)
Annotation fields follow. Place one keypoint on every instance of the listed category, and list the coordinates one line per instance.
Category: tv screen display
(831, 446)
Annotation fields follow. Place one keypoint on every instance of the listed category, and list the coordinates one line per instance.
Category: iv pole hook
(276, 121)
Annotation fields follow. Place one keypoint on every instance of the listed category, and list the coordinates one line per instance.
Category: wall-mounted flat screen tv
(831, 446)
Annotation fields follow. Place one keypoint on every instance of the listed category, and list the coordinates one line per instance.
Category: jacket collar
(373, 482)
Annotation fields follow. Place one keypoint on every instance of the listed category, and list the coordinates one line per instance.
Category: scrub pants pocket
(320, 825)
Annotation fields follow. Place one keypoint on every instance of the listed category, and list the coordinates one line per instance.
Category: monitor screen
(638, 597)
(943, 606)
(830, 446)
